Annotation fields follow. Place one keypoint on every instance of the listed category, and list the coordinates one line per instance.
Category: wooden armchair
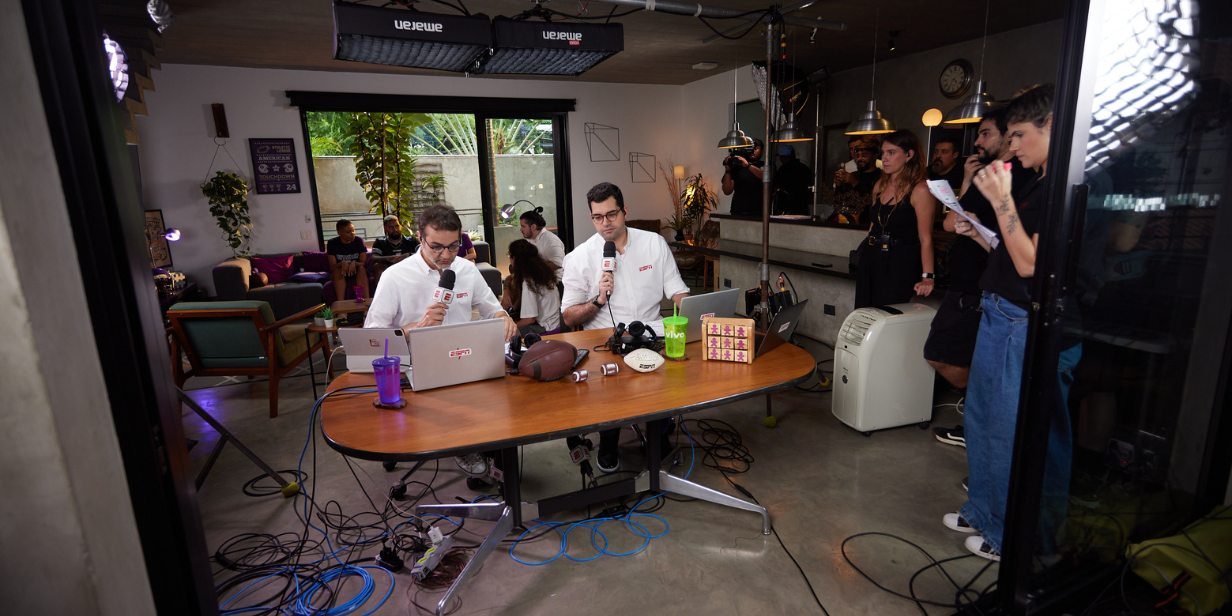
(240, 338)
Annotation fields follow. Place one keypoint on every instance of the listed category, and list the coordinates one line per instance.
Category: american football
(644, 360)
(548, 360)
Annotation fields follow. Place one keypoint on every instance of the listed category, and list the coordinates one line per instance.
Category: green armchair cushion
(233, 342)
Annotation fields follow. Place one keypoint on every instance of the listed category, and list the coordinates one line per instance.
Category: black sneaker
(478, 484)
(608, 459)
(951, 436)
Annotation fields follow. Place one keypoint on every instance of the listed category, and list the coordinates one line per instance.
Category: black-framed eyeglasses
(437, 249)
(610, 216)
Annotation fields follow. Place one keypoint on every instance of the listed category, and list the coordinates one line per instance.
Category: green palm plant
(384, 165)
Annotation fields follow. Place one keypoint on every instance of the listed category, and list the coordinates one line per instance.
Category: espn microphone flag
(444, 289)
(609, 258)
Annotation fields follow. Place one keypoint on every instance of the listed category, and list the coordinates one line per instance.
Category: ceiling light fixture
(404, 38)
(736, 137)
(870, 122)
(980, 102)
(550, 48)
(893, 43)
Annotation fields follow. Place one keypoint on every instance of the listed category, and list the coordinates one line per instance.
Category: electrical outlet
(306, 234)
(828, 308)
(727, 283)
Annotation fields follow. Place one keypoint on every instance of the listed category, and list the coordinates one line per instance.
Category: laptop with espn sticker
(781, 328)
(697, 307)
(455, 354)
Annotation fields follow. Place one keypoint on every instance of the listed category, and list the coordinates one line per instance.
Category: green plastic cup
(674, 335)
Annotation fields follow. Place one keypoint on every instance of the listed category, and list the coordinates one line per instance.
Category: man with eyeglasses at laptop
(404, 297)
(594, 299)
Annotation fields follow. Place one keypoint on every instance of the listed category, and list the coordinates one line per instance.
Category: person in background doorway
(347, 256)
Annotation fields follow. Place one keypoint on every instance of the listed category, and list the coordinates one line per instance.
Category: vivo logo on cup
(672, 335)
(459, 353)
(417, 26)
(574, 38)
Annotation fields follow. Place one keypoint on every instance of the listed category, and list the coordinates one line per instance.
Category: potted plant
(678, 222)
(318, 319)
(228, 196)
(698, 200)
(326, 317)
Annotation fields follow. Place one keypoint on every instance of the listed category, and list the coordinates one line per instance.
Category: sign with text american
(273, 165)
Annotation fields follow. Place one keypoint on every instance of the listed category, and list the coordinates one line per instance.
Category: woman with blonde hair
(896, 259)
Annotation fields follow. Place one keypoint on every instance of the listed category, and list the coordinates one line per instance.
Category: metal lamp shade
(973, 107)
(789, 132)
(736, 138)
(870, 123)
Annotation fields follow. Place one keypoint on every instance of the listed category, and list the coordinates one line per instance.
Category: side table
(349, 306)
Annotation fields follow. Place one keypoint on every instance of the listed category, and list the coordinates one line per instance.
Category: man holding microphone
(405, 297)
(626, 286)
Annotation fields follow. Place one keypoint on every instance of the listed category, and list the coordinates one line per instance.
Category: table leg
(671, 483)
(500, 512)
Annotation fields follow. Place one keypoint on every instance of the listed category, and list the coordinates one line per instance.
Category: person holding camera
(742, 176)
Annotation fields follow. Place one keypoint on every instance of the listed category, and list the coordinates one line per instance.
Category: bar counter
(801, 248)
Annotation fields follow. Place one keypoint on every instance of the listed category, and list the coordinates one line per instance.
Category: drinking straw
(387, 347)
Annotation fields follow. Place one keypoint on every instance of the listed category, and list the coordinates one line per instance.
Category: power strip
(426, 564)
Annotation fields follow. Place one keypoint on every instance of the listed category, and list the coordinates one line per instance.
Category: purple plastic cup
(388, 379)
(359, 294)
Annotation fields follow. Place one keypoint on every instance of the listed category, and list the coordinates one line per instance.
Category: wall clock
(955, 78)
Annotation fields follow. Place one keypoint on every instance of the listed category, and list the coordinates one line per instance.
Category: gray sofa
(285, 298)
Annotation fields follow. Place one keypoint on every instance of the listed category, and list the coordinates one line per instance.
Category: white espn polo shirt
(645, 274)
(406, 290)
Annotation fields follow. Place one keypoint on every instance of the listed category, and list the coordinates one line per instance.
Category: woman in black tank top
(896, 259)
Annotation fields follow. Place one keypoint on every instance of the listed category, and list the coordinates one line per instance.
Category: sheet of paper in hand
(942, 191)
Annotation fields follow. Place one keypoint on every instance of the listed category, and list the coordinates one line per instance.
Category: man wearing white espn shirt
(596, 297)
(645, 271)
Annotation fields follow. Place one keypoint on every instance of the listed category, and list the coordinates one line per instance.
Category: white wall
(176, 144)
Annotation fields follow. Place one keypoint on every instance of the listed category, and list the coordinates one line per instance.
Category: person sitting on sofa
(347, 257)
(393, 248)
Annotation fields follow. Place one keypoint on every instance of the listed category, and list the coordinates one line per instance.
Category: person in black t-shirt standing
(991, 414)
(944, 166)
(393, 248)
(742, 176)
(951, 342)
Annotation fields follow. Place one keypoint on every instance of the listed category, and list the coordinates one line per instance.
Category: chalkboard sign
(273, 163)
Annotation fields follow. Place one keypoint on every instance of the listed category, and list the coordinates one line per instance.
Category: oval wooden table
(501, 414)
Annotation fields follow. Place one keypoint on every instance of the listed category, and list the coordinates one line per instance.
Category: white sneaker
(955, 521)
(983, 550)
(473, 464)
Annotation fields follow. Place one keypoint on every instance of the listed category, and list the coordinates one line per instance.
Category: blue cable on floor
(594, 530)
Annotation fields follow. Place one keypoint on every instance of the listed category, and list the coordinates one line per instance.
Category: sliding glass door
(1135, 285)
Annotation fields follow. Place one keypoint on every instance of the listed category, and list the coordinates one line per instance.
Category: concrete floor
(821, 481)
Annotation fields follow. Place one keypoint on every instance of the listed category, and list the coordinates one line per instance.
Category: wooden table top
(349, 305)
(517, 410)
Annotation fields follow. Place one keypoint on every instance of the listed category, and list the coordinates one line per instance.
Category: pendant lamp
(980, 102)
(790, 132)
(871, 122)
(736, 137)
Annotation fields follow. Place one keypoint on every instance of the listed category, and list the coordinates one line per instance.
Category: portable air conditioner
(881, 379)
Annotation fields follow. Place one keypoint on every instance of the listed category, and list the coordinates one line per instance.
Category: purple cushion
(320, 277)
(315, 262)
(278, 269)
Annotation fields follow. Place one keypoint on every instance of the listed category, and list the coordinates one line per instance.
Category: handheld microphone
(444, 290)
(609, 260)
(579, 452)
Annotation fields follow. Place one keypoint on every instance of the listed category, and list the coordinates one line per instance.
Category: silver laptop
(364, 345)
(454, 354)
(696, 307)
(781, 328)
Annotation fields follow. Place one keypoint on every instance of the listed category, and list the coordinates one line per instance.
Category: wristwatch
(595, 301)
(927, 276)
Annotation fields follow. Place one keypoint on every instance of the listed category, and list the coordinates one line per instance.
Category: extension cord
(424, 566)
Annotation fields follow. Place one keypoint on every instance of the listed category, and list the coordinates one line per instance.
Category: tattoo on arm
(1004, 208)
(1011, 225)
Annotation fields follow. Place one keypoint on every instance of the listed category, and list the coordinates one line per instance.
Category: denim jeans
(990, 420)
